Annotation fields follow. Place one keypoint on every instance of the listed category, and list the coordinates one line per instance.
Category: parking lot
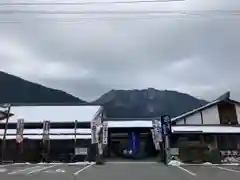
(118, 171)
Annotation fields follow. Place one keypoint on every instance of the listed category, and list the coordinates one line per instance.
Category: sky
(88, 54)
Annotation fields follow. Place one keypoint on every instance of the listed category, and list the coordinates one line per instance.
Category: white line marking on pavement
(81, 163)
(22, 170)
(230, 164)
(81, 170)
(60, 170)
(38, 170)
(226, 169)
(189, 172)
(132, 162)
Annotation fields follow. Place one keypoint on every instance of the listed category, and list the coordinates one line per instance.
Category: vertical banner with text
(46, 129)
(20, 129)
(159, 130)
(166, 132)
(105, 132)
(46, 140)
(166, 125)
(155, 134)
(94, 131)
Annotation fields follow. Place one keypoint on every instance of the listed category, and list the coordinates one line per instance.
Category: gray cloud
(196, 55)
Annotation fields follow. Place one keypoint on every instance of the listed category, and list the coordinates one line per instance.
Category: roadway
(118, 171)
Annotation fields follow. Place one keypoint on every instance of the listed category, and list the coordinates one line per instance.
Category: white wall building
(58, 114)
(219, 116)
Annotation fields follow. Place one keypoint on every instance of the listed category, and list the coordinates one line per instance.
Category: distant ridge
(17, 90)
(147, 103)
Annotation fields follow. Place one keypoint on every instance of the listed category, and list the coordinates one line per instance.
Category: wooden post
(5, 133)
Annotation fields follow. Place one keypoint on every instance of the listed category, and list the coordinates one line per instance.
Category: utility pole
(167, 150)
(5, 132)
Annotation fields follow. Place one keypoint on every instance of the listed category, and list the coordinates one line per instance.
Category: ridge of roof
(196, 110)
(223, 97)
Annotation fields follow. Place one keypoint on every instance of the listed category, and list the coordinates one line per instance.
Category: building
(214, 126)
(70, 131)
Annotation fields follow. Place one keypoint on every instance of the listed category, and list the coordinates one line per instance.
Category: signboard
(157, 130)
(166, 125)
(46, 128)
(155, 134)
(174, 151)
(20, 128)
(80, 151)
(105, 132)
(94, 131)
(154, 124)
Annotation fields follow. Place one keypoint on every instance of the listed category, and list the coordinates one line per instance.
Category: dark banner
(166, 125)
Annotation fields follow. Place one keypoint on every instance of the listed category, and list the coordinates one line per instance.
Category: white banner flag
(46, 129)
(94, 131)
(105, 132)
(20, 128)
(158, 131)
(156, 144)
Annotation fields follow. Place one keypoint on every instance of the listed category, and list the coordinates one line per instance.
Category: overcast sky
(199, 55)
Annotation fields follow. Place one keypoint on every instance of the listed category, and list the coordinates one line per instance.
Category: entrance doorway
(130, 144)
(61, 150)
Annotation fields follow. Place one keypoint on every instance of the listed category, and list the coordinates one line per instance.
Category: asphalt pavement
(118, 171)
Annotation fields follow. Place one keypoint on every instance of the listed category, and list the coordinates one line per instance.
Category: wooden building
(69, 132)
(214, 126)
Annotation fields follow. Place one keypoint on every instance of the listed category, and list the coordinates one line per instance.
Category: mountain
(16, 90)
(118, 103)
(147, 103)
